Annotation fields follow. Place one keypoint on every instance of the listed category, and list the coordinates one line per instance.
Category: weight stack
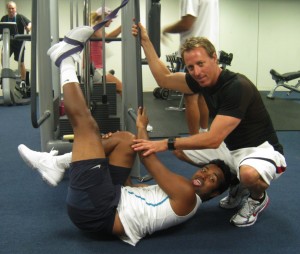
(100, 112)
(111, 92)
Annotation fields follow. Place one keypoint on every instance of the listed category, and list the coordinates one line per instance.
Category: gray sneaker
(44, 163)
(237, 194)
(247, 215)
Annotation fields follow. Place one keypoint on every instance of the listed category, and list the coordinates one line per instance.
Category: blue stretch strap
(80, 45)
(112, 15)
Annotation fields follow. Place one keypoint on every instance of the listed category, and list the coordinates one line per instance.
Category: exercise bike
(12, 86)
(282, 80)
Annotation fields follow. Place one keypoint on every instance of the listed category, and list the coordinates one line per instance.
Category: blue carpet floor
(33, 216)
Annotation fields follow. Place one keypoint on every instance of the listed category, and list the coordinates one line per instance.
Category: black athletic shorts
(94, 194)
(15, 48)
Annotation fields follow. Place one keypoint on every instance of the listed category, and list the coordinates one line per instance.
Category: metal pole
(86, 74)
(44, 77)
(104, 96)
(132, 96)
(71, 14)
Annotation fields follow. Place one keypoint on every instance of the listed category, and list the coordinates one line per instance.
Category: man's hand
(140, 29)
(107, 135)
(142, 118)
(149, 147)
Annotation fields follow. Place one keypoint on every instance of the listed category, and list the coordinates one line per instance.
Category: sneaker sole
(46, 179)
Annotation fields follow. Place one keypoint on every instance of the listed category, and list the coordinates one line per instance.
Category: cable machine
(45, 76)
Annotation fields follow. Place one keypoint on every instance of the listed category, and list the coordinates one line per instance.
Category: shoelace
(248, 208)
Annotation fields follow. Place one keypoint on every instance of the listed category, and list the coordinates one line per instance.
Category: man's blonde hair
(198, 42)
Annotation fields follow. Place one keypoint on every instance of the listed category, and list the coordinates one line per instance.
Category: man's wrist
(171, 143)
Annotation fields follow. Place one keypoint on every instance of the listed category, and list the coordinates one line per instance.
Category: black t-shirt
(235, 95)
(21, 21)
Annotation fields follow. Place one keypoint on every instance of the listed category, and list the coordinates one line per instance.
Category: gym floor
(33, 216)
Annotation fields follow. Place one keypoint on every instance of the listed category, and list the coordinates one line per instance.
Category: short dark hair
(226, 172)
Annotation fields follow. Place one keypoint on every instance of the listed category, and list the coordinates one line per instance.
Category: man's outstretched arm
(178, 188)
(164, 78)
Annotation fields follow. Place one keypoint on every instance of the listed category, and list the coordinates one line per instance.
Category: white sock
(63, 161)
(203, 130)
(68, 71)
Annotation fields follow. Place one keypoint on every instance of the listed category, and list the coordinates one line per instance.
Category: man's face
(201, 67)
(11, 10)
(207, 180)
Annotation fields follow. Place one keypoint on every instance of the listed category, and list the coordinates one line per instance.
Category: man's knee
(124, 140)
(125, 136)
(248, 175)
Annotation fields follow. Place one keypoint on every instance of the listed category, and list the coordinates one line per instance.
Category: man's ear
(215, 57)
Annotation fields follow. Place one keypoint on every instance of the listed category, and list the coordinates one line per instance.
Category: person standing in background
(23, 24)
(96, 48)
(199, 18)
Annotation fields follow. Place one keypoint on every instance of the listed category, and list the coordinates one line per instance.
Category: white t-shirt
(207, 22)
(145, 210)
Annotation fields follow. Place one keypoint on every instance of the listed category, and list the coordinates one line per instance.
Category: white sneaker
(247, 215)
(72, 45)
(236, 196)
(44, 163)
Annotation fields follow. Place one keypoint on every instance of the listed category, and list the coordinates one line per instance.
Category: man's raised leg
(87, 139)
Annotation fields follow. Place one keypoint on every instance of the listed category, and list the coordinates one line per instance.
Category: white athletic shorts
(269, 163)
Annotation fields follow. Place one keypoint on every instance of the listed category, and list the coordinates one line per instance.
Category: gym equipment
(175, 66)
(161, 93)
(225, 59)
(43, 36)
(153, 23)
(132, 96)
(12, 86)
(282, 80)
(52, 123)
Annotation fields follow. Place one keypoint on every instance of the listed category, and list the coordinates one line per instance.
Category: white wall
(261, 34)
(279, 38)
(238, 34)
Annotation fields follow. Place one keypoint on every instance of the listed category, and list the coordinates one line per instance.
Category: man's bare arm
(164, 78)
(178, 188)
(183, 25)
